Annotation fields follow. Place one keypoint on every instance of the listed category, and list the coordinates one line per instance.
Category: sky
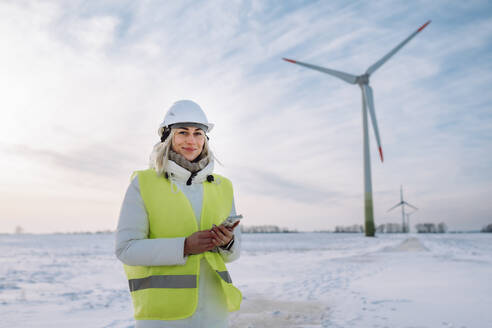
(85, 85)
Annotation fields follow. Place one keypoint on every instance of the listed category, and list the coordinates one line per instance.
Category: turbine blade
(341, 75)
(367, 90)
(390, 54)
(410, 205)
(399, 204)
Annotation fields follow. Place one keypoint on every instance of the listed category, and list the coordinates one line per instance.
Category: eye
(182, 132)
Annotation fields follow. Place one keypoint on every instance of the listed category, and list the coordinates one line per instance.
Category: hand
(199, 242)
(222, 235)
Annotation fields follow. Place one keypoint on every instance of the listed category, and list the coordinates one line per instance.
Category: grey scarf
(197, 165)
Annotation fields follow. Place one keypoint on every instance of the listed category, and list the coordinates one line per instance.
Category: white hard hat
(185, 111)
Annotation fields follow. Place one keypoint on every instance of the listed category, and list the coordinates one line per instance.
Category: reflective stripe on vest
(171, 292)
(171, 281)
(163, 281)
(225, 275)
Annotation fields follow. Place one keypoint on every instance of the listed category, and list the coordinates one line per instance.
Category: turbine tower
(367, 104)
(402, 203)
(408, 219)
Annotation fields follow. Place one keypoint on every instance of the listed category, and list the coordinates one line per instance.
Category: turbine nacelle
(362, 79)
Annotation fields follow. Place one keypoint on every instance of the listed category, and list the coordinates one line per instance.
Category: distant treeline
(396, 228)
(19, 230)
(487, 228)
(431, 228)
(99, 232)
(265, 229)
(356, 228)
(389, 228)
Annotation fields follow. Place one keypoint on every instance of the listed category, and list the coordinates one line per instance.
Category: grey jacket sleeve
(132, 244)
(234, 252)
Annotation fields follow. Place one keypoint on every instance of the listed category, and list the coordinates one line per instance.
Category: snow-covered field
(288, 280)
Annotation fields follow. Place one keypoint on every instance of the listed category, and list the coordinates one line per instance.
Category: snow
(288, 280)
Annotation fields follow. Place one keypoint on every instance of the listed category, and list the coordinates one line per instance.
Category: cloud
(96, 159)
(87, 83)
(261, 181)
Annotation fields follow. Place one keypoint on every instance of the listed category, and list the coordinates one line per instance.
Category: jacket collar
(180, 174)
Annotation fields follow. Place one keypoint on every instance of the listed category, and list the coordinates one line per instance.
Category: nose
(190, 139)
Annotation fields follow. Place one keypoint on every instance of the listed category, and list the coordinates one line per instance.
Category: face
(188, 142)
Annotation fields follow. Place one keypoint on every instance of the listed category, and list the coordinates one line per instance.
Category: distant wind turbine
(402, 203)
(367, 102)
(408, 219)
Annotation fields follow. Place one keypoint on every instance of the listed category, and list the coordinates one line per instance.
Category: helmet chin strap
(165, 134)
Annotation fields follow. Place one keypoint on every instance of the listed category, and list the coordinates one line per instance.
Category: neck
(193, 166)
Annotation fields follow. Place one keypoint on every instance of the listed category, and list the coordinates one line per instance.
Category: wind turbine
(367, 102)
(408, 219)
(402, 203)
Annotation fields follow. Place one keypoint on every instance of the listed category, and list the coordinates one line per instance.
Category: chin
(191, 158)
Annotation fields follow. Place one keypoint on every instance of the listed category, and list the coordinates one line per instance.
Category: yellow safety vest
(170, 292)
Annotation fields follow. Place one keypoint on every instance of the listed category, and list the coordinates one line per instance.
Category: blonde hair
(159, 158)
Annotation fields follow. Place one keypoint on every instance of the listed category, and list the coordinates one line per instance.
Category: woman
(170, 238)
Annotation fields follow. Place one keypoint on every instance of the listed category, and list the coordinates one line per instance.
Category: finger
(212, 246)
(219, 236)
(217, 242)
(205, 241)
(225, 231)
(205, 234)
(216, 229)
(234, 225)
(224, 236)
(207, 247)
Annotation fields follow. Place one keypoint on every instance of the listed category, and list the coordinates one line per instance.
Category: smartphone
(231, 220)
